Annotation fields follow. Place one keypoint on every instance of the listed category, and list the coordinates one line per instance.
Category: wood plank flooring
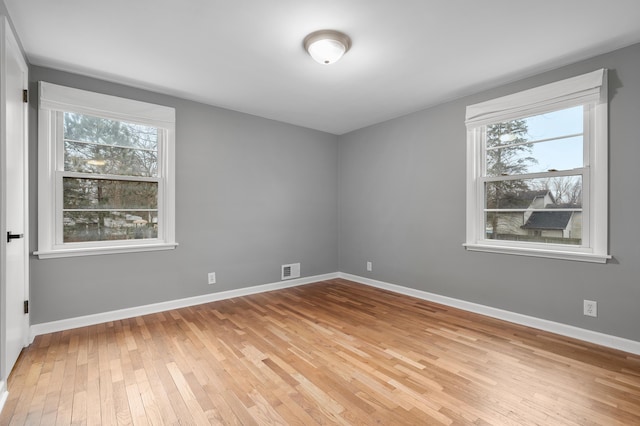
(333, 352)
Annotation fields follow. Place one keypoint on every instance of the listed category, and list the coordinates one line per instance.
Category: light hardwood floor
(334, 352)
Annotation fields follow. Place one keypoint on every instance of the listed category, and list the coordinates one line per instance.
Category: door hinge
(25, 96)
(26, 306)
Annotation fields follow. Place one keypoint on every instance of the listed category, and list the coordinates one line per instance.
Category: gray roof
(548, 220)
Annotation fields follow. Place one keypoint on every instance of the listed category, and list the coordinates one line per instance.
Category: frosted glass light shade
(326, 51)
(327, 46)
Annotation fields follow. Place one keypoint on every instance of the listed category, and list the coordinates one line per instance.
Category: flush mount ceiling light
(327, 46)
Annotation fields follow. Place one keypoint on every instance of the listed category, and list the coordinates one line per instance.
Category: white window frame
(589, 90)
(54, 100)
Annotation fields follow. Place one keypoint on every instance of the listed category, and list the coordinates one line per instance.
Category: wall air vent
(290, 271)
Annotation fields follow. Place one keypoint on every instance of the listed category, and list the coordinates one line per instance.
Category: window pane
(557, 192)
(555, 124)
(98, 145)
(109, 194)
(83, 226)
(559, 198)
(539, 227)
(559, 154)
(523, 145)
(100, 159)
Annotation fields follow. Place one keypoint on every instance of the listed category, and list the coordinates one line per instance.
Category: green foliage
(97, 145)
(506, 155)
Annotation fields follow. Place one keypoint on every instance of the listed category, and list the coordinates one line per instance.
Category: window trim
(55, 99)
(586, 89)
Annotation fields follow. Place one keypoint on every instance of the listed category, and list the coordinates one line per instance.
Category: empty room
(319, 212)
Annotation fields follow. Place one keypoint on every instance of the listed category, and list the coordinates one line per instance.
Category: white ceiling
(247, 55)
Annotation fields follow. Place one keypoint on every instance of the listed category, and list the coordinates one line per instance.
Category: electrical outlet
(590, 308)
(369, 266)
(212, 277)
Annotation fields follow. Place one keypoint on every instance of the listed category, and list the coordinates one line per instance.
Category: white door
(14, 206)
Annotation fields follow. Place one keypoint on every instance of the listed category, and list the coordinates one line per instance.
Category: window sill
(94, 251)
(550, 254)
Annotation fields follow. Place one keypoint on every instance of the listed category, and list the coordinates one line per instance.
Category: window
(537, 171)
(106, 174)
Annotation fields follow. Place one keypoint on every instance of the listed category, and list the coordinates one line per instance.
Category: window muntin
(537, 171)
(106, 174)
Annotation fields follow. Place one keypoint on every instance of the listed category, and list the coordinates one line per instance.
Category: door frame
(9, 46)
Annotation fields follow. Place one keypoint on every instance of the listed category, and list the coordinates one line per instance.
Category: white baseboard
(614, 342)
(602, 339)
(67, 324)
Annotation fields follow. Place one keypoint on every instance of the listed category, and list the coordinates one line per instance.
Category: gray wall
(402, 207)
(251, 194)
